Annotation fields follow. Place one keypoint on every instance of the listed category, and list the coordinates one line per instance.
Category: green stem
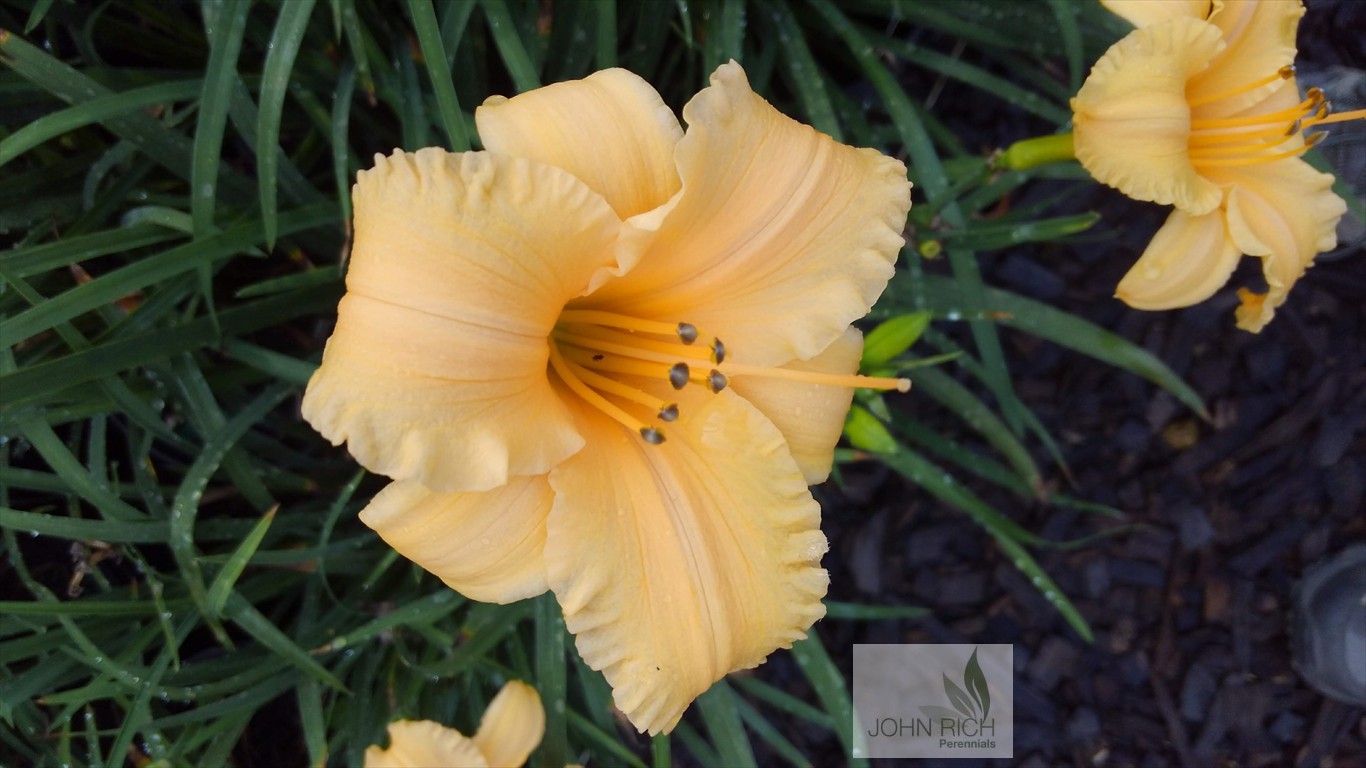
(1041, 150)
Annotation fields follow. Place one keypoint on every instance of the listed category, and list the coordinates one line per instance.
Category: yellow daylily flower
(606, 358)
(1198, 108)
(512, 726)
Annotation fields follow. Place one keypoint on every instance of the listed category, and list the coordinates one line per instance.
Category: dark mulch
(1191, 662)
(1191, 607)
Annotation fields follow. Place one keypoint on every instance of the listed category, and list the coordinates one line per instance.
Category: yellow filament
(811, 377)
(1282, 117)
(600, 382)
(1283, 74)
(577, 385)
(629, 350)
(1239, 148)
(1214, 138)
(624, 322)
(599, 333)
(584, 358)
(1231, 162)
(586, 344)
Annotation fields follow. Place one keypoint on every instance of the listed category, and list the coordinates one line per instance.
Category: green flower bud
(893, 337)
(865, 431)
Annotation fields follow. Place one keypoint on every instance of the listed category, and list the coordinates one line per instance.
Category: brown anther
(598, 357)
(716, 381)
(1287, 72)
(1314, 138)
(668, 412)
(1315, 95)
(718, 351)
(652, 435)
(1325, 107)
(679, 375)
(1294, 128)
(687, 333)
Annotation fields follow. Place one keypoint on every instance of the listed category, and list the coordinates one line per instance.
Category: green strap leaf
(944, 296)
(434, 54)
(281, 52)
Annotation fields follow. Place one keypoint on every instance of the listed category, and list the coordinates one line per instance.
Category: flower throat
(592, 351)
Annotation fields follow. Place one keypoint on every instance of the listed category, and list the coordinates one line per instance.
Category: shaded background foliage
(184, 580)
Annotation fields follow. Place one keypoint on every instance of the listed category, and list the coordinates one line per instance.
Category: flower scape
(512, 726)
(606, 357)
(1198, 108)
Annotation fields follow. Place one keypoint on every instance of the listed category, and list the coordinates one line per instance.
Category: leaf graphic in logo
(957, 697)
(976, 683)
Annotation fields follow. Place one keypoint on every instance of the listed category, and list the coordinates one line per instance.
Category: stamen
(1244, 148)
(1268, 118)
(1230, 162)
(1284, 73)
(624, 322)
(611, 386)
(589, 348)
(1248, 140)
(640, 349)
(578, 387)
(828, 379)
(679, 375)
(1215, 138)
(687, 332)
(615, 364)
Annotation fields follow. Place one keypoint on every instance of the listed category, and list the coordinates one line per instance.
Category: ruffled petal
(1142, 13)
(423, 744)
(1188, 259)
(486, 545)
(512, 726)
(779, 239)
(610, 130)
(1286, 213)
(461, 264)
(810, 416)
(447, 404)
(1132, 121)
(678, 563)
(1260, 39)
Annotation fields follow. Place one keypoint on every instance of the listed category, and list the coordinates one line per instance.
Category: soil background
(1191, 596)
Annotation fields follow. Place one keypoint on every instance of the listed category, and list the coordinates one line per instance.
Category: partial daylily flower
(511, 728)
(1198, 109)
(606, 358)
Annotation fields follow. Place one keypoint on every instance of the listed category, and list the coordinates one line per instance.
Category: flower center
(1262, 138)
(600, 357)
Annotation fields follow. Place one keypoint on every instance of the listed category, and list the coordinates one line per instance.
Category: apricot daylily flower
(606, 358)
(1198, 108)
(511, 728)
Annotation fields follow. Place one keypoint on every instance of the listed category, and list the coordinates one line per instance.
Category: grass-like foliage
(183, 580)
